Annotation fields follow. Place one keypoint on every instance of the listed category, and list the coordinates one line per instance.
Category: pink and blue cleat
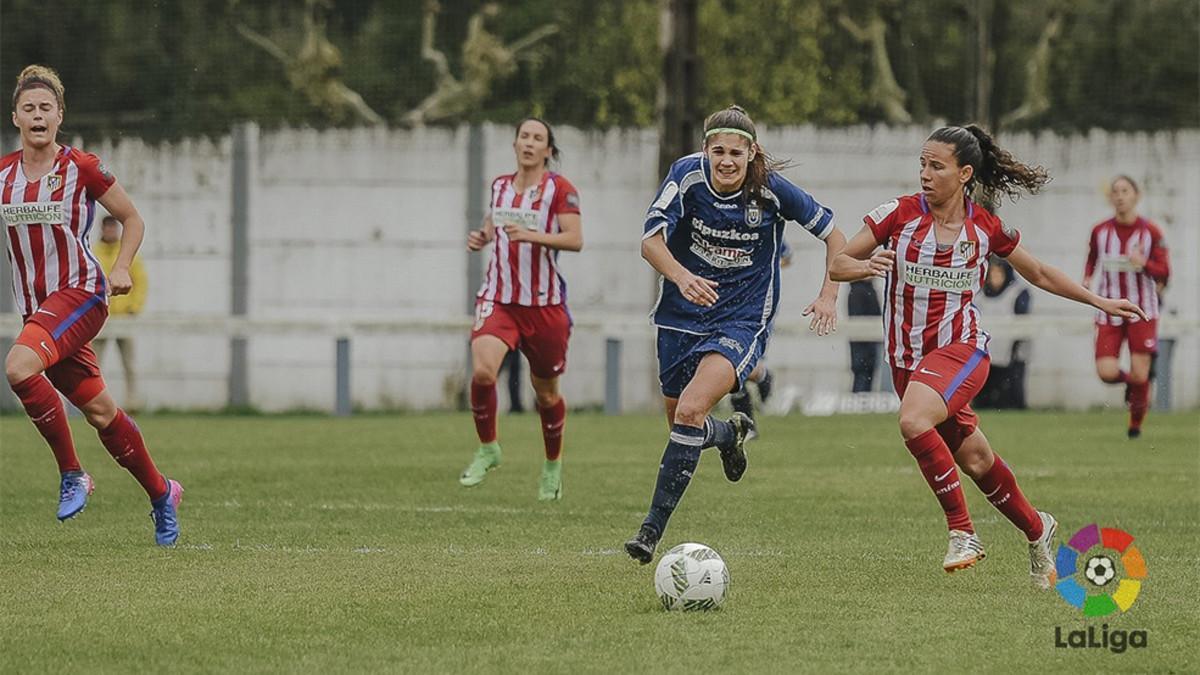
(166, 522)
(73, 493)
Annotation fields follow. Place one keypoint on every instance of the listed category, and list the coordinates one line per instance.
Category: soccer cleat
(733, 457)
(641, 547)
(743, 403)
(1134, 433)
(964, 551)
(163, 513)
(73, 493)
(487, 457)
(550, 486)
(1041, 560)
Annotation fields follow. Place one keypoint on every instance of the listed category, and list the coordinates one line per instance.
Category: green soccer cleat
(550, 486)
(487, 457)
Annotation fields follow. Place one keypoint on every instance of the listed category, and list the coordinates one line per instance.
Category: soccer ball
(691, 577)
(1100, 570)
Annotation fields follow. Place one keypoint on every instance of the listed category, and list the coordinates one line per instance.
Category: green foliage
(170, 69)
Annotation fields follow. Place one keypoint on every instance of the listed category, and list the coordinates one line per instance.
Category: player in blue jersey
(715, 234)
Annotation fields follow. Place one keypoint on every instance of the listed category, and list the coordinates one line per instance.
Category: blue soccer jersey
(727, 239)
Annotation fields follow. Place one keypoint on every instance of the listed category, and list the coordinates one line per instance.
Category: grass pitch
(315, 545)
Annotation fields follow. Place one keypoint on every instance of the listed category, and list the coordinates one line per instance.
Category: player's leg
(942, 384)
(552, 411)
(1108, 349)
(545, 333)
(742, 400)
(1143, 343)
(714, 377)
(996, 481)
(492, 337)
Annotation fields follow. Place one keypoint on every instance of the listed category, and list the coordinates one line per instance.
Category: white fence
(361, 234)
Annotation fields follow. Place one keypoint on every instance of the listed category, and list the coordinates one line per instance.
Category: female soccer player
(936, 244)
(1132, 259)
(715, 234)
(47, 194)
(522, 302)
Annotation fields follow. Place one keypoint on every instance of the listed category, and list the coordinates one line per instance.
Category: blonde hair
(39, 77)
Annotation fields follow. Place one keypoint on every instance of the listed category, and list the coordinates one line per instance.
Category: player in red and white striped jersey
(48, 196)
(533, 214)
(1127, 258)
(936, 245)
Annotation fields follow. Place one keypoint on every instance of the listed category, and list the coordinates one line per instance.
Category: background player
(534, 214)
(46, 199)
(936, 244)
(715, 234)
(1128, 258)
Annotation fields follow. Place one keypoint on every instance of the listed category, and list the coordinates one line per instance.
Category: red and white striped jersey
(524, 273)
(46, 225)
(1116, 276)
(928, 297)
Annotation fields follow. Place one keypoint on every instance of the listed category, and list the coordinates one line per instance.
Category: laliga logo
(1100, 572)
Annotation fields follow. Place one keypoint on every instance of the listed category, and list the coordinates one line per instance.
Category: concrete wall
(369, 226)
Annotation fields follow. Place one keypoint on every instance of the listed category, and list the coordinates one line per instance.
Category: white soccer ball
(691, 577)
(1100, 570)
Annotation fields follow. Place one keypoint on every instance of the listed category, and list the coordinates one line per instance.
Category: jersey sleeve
(566, 197)
(1004, 237)
(796, 204)
(1089, 266)
(93, 175)
(666, 211)
(882, 220)
(1158, 265)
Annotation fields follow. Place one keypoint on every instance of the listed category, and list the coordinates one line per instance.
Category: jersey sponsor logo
(883, 211)
(1117, 264)
(730, 343)
(724, 205)
(526, 218)
(33, 213)
(753, 214)
(725, 257)
(666, 196)
(949, 279)
(53, 182)
(733, 235)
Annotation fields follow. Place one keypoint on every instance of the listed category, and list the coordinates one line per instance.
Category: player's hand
(119, 281)
(881, 262)
(697, 290)
(476, 240)
(824, 315)
(518, 233)
(1137, 261)
(1122, 308)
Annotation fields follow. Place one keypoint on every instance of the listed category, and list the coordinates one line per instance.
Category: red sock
(124, 442)
(45, 410)
(1139, 402)
(553, 419)
(1000, 487)
(483, 407)
(937, 465)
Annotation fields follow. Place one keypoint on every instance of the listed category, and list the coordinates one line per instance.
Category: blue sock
(679, 461)
(717, 433)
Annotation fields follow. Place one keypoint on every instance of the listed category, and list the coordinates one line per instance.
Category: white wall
(369, 225)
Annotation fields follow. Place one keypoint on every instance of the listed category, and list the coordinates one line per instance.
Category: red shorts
(1142, 336)
(541, 333)
(70, 318)
(957, 372)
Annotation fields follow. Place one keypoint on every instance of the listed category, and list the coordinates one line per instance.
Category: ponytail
(996, 172)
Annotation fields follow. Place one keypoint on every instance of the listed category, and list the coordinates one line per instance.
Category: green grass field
(313, 544)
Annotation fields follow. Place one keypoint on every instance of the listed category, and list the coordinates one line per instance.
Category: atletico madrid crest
(53, 182)
(967, 249)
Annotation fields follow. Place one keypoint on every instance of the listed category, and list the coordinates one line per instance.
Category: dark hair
(734, 117)
(1127, 179)
(997, 172)
(109, 220)
(554, 153)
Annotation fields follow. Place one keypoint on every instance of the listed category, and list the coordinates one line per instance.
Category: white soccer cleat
(964, 551)
(1041, 561)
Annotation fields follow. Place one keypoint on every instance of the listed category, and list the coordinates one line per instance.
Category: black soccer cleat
(733, 457)
(1134, 433)
(641, 547)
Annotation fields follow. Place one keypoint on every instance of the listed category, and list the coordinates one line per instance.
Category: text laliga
(1115, 641)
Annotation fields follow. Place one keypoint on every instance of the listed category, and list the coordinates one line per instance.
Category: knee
(913, 424)
(974, 464)
(18, 367)
(690, 414)
(547, 399)
(100, 414)
(482, 376)
(1109, 374)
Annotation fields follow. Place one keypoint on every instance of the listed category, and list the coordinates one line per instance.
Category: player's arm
(824, 308)
(859, 260)
(1089, 267)
(133, 228)
(568, 238)
(477, 239)
(695, 289)
(1051, 279)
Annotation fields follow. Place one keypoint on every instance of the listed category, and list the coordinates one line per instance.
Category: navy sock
(679, 461)
(717, 433)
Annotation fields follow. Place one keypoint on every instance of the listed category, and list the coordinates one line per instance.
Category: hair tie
(729, 130)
